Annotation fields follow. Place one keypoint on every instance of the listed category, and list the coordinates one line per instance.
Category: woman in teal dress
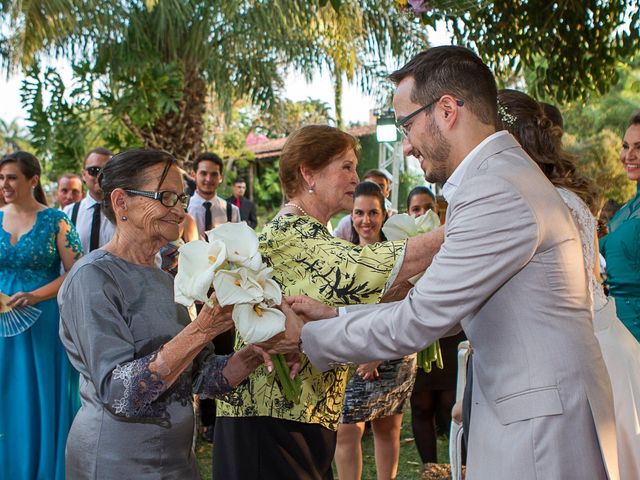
(620, 246)
(38, 386)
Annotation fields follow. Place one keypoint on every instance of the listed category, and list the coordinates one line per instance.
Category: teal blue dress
(621, 249)
(38, 387)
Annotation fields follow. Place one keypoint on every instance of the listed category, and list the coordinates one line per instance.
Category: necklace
(291, 204)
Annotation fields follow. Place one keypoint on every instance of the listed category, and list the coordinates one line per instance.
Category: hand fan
(14, 321)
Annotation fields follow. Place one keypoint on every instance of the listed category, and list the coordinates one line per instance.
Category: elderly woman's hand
(309, 309)
(289, 340)
(214, 319)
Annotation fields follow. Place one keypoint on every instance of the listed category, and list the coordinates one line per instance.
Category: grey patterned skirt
(367, 400)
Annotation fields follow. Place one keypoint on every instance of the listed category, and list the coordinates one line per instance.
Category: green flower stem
(291, 389)
(429, 355)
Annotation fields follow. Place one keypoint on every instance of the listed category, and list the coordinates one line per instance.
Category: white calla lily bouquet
(399, 227)
(231, 264)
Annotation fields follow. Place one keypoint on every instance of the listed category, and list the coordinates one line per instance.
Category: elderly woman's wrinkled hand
(288, 341)
(309, 309)
(214, 319)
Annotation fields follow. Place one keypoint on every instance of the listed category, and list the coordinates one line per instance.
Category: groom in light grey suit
(510, 272)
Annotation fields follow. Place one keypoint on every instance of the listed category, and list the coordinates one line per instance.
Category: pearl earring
(311, 190)
(124, 218)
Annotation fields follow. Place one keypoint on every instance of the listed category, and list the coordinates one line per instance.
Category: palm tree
(158, 61)
(12, 137)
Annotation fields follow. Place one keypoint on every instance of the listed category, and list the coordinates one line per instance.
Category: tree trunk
(337, 85)
(181, 132)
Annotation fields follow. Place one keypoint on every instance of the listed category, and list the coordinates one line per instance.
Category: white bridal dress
(620, 349)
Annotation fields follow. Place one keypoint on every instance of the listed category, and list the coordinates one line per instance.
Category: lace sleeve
(586, 224)
(141, 388)
(72, 240)
(209, 381)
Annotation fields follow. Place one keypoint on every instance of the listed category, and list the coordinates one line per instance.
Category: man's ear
(192, 174)
(449, 107)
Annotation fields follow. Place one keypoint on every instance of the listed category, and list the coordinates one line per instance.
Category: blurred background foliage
(187, 75)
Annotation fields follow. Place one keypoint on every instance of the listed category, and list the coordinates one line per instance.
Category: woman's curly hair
(542, 140)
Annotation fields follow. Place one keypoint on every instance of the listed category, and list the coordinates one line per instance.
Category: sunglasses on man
(93, 171)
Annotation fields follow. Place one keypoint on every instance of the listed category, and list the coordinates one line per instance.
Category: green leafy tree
(12, 137)
(609, 111)
(571, 46)
(598, 158)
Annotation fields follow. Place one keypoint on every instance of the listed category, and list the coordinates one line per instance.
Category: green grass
(410, 464)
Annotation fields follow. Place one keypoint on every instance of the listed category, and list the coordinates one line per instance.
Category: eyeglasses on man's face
(93, 171)
(167, 198)
(404, 124)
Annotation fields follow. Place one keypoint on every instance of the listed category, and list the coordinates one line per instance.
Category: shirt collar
(89, 201)
(452, 183)
(199, 200)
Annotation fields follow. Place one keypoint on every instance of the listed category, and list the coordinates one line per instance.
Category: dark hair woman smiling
(139, 357)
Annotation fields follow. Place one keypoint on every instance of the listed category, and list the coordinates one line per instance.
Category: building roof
(273, 147)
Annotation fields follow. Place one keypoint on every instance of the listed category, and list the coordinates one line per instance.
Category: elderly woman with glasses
(140, 358)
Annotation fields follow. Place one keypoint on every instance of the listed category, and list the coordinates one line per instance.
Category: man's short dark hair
(553, 113)
(209, 157)
(239, 180)
(456, 71)
(99, 151)
(374, 172)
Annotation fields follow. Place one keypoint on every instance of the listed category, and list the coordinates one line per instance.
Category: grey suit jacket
(511, 273)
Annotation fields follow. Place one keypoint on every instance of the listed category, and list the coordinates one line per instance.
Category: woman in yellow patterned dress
(260, 434)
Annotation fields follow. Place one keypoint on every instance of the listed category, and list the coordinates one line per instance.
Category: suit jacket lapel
(495, 146)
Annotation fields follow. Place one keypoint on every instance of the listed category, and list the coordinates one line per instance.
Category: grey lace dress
(115, 316)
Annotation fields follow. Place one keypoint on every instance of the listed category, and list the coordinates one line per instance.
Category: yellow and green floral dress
(307, 260)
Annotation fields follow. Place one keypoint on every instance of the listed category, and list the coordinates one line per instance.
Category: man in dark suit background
(246, 206)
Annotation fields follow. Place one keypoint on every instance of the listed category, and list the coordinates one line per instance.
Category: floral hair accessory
(505, 117)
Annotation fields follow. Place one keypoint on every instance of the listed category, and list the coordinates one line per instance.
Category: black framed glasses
(93, 171)
(404, 124)
(167, 198)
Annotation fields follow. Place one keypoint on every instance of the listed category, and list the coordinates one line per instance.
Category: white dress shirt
(450, 187)
(218, 212)
(83, 223)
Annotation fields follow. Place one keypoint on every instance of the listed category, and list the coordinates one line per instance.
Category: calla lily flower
(401, 226)
(427, 222)
(241, 242)
(197, 264)
(237, 286)
(257, 323)
(271, 289)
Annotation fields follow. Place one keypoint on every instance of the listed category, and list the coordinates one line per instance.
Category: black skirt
(266, 448)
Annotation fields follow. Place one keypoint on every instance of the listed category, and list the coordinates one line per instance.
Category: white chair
(455, 435)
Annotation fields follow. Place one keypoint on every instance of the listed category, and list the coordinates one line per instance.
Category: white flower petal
(237, 286)
(257, 323)
(399, 227)
(427, 222)
(253, 263)
(272, 293)
(197, 264)
(241, 242)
